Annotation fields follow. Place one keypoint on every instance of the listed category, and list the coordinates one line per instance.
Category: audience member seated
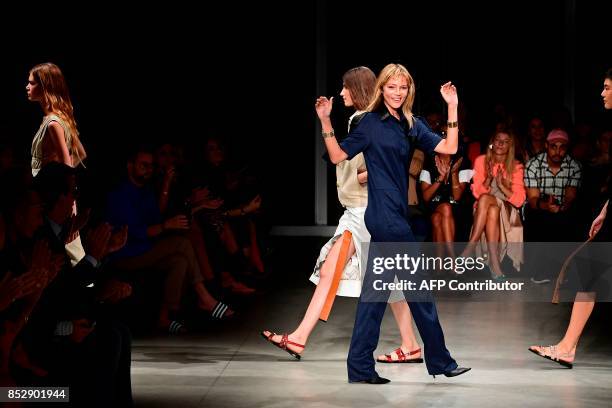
(232, 228)
(416, 208)
(535, 142)
(443, 181)
(176, 197)
(157, 244)
(20, 284)
(583, 146)
(499, 190)
(472, 146)
(552, 179)
(66, 334)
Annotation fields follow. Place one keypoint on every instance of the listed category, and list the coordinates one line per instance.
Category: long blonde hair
(510, 161)
(56, 99)
(388, 72)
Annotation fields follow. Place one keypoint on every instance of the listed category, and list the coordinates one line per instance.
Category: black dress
(444, 193)
(591, 268)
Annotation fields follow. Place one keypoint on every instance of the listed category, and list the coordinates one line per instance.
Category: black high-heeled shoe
(457, 371)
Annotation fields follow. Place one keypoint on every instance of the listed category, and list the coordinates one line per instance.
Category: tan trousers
(173, 255)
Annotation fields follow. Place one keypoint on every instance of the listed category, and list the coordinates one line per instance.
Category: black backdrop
(246, 73)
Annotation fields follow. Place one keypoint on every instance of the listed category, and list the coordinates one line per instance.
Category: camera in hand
(556, 200)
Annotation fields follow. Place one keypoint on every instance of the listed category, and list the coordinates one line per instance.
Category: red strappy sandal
(401, 357)
(283, 343)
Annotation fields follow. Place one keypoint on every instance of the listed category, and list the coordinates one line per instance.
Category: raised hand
(254, 205)
(13, 288)
(501, 180)
(362, 175)
(489, 176)
(449, 93)
(456, 166)
(178, 222)
(76, 223)
(442, 167)
(117, 240)
(553, 207)
(210, 204)
(323, 106)
(597, 224)
(97, 241)
(82, 218)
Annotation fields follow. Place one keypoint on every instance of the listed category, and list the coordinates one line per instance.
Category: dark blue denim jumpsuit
(385, 145)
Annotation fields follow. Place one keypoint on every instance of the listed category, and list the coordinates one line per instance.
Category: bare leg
(581, 311)
(402, 315)
(437, 234)
(480, 218)
(229, 239)
(492, 234)
(301, 334)
(480, 221)
(448, 227)
(227, 279)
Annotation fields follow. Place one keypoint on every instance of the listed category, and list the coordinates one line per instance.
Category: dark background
(247, 73)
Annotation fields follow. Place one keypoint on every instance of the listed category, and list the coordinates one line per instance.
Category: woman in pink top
(500, 191)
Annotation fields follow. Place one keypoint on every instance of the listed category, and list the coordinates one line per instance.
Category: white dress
(352, 220)
(353, 197)
(350, 283)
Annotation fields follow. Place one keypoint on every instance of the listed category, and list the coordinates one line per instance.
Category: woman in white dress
(57, 138)
(351, 177)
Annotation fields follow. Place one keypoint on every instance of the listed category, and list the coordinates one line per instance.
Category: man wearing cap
(552, 179)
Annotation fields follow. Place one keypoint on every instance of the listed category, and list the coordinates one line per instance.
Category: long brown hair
(388, 72)
(510, 160)
(360, 82)
(56, 99)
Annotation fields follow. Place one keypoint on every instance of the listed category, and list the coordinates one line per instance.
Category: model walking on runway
(57, 139)
(351, 176)
(601, 231)
(382, 136)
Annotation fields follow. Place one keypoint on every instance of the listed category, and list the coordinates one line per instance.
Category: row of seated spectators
(535, 191)
(173, 237)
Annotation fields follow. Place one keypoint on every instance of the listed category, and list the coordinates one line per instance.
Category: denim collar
(384, 113)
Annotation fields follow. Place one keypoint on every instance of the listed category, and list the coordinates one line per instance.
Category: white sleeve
(466, 175)
(425, 177)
